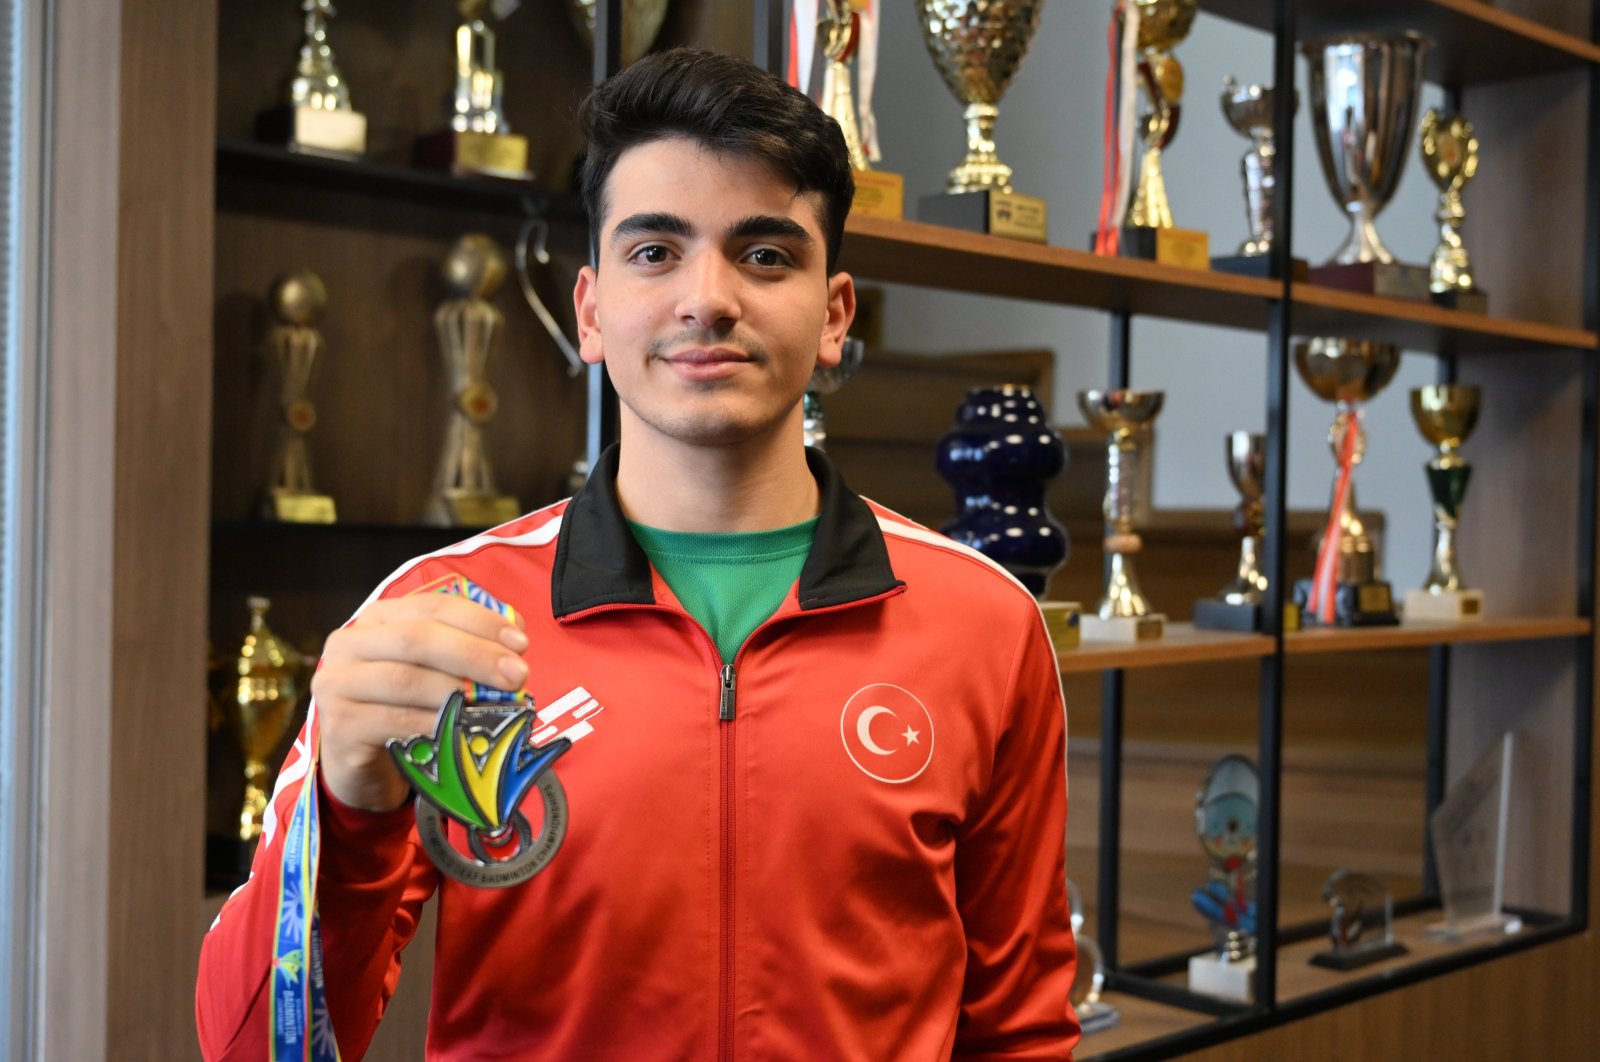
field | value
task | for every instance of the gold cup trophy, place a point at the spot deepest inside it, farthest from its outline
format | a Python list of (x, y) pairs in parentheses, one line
[(1450, 156), (879, 194), (1123, 614), (977, 49), (1446, 415), (294, 345)]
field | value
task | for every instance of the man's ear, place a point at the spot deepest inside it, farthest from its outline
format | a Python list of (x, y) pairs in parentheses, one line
[(590, 348), (841, 311)]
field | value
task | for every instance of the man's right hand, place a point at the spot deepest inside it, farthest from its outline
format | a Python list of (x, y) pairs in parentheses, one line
[(385, 676)]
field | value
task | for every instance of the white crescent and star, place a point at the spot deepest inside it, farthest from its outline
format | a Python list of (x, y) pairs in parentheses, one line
[(864, 731)]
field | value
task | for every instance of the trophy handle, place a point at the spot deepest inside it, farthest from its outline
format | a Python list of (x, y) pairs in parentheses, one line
[(534, 233)]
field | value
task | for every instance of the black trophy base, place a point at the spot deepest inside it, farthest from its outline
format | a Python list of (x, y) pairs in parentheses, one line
[(1186, 248), (1394, 280), (1259, 265), (1356, 958), (227, 861), (1215, 615), (995, 213), (1474, 301), (1354, 604)]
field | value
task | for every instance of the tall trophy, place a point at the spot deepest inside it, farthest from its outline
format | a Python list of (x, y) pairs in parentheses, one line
[(878, 193), (1364, 93), (467, 324), (1361, 929), (1089, 980), (1237, 607), (977, 49), (641, 21), (1445, 415), (1450, 155), (1346, 590), (1148, 231), (826, 381), (1248, 110), (316, 118), (294, 345), (477, 142), (1225, 823), (1123, 614)]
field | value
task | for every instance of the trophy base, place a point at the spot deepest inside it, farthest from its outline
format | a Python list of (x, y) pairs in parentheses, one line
[(227, 861), (879, 195), (314, 131), (1359, 956), (1259, 265), (464, 154), (1211, 614), (1124, 629), (1187, 248), (1473, 301), (1354, 604), (1444, 606), (1489, 925), (1062, 619), (1390, 279), (1210, 976), (479, 510), (1097, 1017), (996, 213), (289, 508)]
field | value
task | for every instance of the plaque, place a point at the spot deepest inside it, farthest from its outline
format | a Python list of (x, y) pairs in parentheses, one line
[(1469, 830), (316, 118), (1123, 614)]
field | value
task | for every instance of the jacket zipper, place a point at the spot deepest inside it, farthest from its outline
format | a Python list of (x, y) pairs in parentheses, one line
[(725, 716)]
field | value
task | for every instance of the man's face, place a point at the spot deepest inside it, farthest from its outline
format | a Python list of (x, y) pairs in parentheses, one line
[(711, 303)]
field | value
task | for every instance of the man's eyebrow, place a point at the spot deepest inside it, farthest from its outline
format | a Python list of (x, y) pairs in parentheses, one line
[(770, 225), (656, 223)]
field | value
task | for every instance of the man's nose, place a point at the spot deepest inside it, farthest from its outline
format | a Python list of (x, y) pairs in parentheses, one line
[(710, 293)]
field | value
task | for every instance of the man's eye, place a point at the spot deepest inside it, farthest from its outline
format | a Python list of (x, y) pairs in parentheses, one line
[(650, 254), (768, 257)]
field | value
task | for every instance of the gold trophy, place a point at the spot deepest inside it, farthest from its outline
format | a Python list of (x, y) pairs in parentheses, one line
[(259, 702), (478, 141), (317, 119), (1446, 415), (878, 194), (293, 345), (1123, 614), (467, 323), (641, 21), (977, 49), (1450, 155), (1148, 231)]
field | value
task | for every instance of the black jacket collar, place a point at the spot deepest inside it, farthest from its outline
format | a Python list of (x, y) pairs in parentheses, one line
[(598, 562)]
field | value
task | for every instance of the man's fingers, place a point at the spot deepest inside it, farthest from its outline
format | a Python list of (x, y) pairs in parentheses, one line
[(392, 684), (429, 643), (446, 608)]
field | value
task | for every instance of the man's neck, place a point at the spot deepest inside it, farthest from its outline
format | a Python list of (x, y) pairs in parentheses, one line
[(759, 485)]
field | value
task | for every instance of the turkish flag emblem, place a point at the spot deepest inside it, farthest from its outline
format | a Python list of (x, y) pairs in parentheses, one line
[(887, 733)]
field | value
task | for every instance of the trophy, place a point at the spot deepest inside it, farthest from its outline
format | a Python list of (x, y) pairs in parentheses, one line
[(878, 194), (825, 380), (641, 21), (1238, 606), (477, 142), (977, 49), (317, 119), (467, 323), (1446, 415), (1346, 589), (1225, 822), (1469, 830), (1450, 155), (1361, 904), (1123, 615), (1089, 980), (293, 344), (1248, 109), (258, 699)]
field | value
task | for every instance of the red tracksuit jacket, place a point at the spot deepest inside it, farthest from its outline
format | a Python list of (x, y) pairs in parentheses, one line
[(866, 861)]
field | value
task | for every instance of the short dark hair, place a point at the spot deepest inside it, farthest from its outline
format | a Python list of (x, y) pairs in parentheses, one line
[(727, 104)]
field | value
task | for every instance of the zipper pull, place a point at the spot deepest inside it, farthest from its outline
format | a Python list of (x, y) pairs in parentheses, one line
[(725, 709)]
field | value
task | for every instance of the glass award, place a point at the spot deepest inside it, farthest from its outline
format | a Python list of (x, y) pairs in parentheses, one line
[(1468, 830), (1362, 926), (1225, 822), (1094, 1014)]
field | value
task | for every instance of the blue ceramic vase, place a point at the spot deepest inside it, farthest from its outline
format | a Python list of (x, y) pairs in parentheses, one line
[(998, 457)]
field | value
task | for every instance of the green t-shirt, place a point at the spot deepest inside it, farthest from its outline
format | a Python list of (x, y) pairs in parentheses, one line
[(730, 583)]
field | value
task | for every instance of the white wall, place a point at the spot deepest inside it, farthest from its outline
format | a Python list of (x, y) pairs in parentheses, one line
[(1050, 133)]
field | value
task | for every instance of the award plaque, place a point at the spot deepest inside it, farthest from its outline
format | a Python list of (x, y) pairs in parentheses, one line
[(1225, 823), (879, 194), (1238, 606), (1468, 831), (1364, 92), (825, 381), (477, 142), (316, 118), (1362, 906), (1248, 109), (294, 346), (1346, 589), (1446, 415), (977, 49), (467, 324), (1123, 614), (1450, 155), (1094, 1014)]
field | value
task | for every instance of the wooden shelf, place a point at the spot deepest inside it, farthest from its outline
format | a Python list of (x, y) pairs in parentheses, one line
[(1474, 43), (1143, 1020), (911, 252), (1182, 644), (1415, 635), (1320, 310)]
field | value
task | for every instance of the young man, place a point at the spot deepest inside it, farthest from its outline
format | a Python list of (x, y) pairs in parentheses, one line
[(815, 801)]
